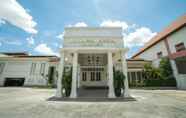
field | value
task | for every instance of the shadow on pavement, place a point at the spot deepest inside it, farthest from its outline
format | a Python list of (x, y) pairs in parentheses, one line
[(92, 99)]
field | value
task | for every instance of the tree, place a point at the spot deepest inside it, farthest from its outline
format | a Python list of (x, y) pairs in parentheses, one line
[(166, 69)]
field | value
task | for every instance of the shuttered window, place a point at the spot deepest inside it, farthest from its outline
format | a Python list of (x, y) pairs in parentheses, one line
[(181, 65)]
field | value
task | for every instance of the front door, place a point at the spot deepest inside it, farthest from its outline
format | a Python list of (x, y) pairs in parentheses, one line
[(93, 76)]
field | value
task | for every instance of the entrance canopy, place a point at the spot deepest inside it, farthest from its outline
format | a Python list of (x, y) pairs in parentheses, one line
[(92, 53)]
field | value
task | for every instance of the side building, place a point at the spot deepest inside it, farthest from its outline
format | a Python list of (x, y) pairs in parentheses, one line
[(21, 69), (135, 69), (169, 43)]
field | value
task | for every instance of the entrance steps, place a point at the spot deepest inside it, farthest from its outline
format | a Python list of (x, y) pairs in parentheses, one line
[(92, 92)]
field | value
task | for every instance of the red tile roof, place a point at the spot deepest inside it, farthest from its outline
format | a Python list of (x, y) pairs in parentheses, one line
[(173, 27)]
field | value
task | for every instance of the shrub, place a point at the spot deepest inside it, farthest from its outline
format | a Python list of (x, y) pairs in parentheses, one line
[(162, 76), (118, 82), (160, 82), (151, 72)]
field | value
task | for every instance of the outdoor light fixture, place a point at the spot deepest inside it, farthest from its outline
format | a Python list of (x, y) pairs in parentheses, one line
[(66, 59)]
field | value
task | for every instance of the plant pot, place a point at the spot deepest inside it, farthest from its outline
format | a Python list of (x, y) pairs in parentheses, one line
[(118, 92)]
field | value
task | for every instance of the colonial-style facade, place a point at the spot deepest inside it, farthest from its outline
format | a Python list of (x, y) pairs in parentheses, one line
[(92, 53)]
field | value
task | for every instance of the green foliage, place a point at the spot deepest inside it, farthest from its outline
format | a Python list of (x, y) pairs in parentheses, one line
[(151, 72), (166, 69), (160, 82), (162, 76), (118, 82), (67, 81)]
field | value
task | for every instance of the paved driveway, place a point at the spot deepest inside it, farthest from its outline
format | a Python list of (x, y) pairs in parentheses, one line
[(32, 103)]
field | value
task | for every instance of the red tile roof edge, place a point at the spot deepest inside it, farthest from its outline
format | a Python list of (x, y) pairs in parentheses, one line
[(173, 27)]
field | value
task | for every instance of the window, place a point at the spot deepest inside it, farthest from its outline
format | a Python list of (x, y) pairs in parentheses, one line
[(84, 76), (33, 68), (181, 65), (133, 77), (180, 47), (98, 76), (2, 65), (42, 69), (159, 54), (92, 76), (139, 76), (129, 78)]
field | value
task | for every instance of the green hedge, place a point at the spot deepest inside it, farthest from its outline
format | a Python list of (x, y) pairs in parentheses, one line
[(160, 82)]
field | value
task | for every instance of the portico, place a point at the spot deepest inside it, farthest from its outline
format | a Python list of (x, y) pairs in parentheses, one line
[(92, 53)]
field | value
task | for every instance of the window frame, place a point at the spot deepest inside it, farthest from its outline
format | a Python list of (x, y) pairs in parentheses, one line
[(159, 54), (2, 65), (180, 47)]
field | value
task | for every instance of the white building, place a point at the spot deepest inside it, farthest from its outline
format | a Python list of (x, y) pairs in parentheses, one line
[(170, 43), (25, 70), (92, 53)]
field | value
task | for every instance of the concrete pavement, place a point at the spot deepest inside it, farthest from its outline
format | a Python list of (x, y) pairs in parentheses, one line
[(32, 103)]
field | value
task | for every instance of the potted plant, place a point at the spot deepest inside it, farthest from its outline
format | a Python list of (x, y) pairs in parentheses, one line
[(118, 83)]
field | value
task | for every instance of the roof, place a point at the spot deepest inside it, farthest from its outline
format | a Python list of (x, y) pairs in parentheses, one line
[(173, 27), (24, 55), (15, 53), (139, 59), (93, 28), (37, 56)]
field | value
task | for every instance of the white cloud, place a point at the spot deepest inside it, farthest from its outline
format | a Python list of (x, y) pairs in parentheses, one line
[(2, 22), (12, 12), (10, 41), (44, 49), (116, 23), (30, 40), (79, 24), (138, 37), (60, 36)]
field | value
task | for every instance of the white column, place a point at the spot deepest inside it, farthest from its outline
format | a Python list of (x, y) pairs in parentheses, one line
[(73, 93), (124, 64), (175, 72), (111, 93), (60, 75), (78, 76)]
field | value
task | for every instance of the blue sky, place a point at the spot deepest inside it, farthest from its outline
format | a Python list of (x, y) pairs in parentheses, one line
[(141, 20)]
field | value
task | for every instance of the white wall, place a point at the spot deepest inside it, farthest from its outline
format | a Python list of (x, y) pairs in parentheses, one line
[(151, 53), (176, 38), (93, 31), (93, 37), (37, 78), (21, 69)]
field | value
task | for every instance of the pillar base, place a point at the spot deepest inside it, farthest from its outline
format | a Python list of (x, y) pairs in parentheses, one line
[(126, 94), (111, 95), (58, 95), (73, 96)]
